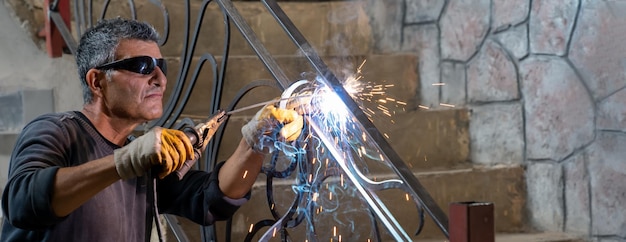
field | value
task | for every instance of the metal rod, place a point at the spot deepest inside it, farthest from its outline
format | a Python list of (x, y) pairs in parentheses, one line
[(178, 231), (251, 107), (256, 105), (378, 207), (255, 43)]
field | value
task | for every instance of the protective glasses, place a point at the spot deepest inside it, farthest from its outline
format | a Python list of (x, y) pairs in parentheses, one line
[(138, 64)]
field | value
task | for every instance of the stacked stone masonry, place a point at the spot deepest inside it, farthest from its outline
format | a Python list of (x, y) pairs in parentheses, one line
[(545, 82)]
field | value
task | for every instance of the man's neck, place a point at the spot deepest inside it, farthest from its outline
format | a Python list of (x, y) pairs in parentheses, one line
[(113, 129)]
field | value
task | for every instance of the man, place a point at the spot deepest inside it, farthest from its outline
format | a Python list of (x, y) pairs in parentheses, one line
[(76, 176)]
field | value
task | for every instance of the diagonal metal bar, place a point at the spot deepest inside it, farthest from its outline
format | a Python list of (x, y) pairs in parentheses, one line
[(177, 230), (255, 43), (370, 196), (399, 166)]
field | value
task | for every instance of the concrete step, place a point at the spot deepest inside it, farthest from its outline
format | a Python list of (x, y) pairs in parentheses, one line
[(503, 186), (398, 72), (328, 26), (425, 139), (526, 237), (332, 28), (539, 237), (193, 232)]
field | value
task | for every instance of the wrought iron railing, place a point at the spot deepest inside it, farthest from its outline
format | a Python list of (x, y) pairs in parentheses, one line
[(299, 166)]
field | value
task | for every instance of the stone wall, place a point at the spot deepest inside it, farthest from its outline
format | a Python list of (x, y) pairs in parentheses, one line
[(545, 84)]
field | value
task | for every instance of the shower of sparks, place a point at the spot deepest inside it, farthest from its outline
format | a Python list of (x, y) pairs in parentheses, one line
[(366, 91), (447, 105), (341, 179)]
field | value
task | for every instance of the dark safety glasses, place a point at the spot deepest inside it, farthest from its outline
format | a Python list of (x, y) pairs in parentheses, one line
[(138, 64)]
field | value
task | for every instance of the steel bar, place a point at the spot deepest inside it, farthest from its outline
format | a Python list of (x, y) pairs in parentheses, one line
[(176, 228), (256, 105), (255, 43), (379, 208)]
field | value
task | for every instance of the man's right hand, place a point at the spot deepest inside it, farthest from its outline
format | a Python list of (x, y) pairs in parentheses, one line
[(167, 148), (255, 131)]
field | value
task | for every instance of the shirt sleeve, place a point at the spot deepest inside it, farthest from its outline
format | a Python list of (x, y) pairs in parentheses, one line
[(197, 197), (38, 154)]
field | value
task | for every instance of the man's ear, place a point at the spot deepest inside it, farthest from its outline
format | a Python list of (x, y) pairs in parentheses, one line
[(95, 79)]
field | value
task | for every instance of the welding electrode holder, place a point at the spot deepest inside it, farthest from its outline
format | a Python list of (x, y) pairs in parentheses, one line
[(194, 137), (199, 136)]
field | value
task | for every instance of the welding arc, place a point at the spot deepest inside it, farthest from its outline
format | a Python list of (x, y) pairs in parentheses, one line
[(256, 105)]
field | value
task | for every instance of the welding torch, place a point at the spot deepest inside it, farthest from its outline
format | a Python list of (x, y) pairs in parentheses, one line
[(200, 135)]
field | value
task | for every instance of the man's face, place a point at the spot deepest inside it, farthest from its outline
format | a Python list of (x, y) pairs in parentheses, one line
[(133, 96)]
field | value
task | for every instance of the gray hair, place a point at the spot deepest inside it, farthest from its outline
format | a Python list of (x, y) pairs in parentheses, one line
[(99, 43)]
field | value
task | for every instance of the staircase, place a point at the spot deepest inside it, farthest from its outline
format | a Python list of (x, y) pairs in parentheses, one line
[(434, 143)]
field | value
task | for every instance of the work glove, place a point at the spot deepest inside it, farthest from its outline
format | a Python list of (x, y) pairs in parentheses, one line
[(159, 147), (260, 133), (300, 102)]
